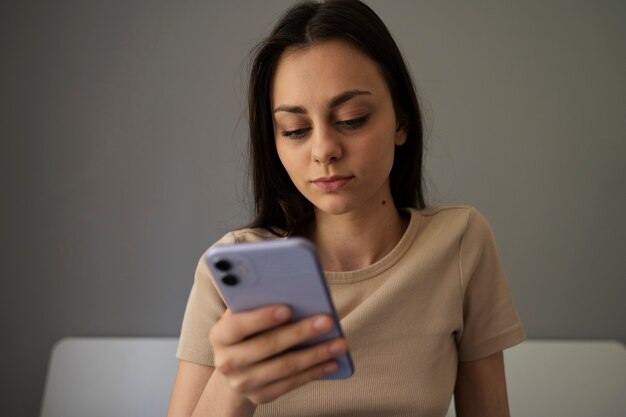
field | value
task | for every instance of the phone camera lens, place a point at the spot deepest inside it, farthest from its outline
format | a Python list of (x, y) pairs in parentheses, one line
[(230, 280), (222, 265)]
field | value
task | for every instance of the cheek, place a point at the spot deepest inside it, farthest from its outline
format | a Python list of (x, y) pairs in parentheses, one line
[(377, 159), (379, 147)]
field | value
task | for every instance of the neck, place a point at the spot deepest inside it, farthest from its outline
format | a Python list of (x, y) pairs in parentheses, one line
[(356, 240)]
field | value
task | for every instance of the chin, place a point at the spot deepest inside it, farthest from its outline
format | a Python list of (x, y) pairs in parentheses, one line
[(332, 207), (335, 205)]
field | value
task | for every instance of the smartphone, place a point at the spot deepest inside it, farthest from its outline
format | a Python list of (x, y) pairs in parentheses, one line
[(285, 271)]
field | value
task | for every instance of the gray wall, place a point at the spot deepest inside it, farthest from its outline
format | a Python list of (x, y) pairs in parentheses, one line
[(123, 126)]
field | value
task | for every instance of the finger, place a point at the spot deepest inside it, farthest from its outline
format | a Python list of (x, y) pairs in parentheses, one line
[(278, 340), (283, 386), (234, 328), (286, 365)]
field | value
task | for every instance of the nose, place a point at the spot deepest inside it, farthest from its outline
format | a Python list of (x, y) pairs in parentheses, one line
[(326, 146)]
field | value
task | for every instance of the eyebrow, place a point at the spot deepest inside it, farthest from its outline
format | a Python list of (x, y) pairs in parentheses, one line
[(333, 103)]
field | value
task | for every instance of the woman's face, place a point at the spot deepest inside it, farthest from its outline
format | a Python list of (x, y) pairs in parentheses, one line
[(335, 126)]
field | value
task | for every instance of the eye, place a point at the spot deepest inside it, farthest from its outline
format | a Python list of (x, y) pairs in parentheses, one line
[(352, 123), (295, 134)]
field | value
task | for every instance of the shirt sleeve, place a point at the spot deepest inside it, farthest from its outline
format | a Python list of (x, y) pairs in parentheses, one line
[(490, 320), (204, 308)]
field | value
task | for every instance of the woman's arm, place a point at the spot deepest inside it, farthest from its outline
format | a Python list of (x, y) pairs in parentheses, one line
[(480, 389), (190, 381), (200, 391)]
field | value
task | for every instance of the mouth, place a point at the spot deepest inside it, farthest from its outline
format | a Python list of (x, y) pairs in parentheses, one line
[(333, 183)]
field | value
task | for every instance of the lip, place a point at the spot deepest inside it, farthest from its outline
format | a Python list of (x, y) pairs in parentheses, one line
[(332, 183)]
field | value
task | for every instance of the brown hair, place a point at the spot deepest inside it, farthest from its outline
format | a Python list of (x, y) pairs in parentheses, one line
[(278, 205)]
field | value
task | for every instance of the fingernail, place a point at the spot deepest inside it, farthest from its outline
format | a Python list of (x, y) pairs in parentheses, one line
[(281, 313), (321, 323), (337, 348)]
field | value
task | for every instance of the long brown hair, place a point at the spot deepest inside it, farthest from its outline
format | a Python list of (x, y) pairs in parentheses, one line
[(278, 205)]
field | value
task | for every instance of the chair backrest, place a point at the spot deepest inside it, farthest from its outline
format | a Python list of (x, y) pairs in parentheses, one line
[(133, 377), (567, 378), (92, 377)]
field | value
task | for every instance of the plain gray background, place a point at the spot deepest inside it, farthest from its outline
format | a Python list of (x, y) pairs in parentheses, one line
[(123, 133)]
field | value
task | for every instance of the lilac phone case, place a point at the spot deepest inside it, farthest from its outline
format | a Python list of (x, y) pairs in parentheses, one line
[(282, 271)]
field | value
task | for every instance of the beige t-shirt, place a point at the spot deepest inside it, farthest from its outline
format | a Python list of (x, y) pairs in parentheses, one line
[(439, 297)]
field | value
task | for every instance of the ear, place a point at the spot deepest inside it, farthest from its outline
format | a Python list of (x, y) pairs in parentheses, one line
[(401, 134)]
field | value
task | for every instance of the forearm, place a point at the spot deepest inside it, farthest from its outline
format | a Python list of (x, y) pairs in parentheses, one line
[(218, 399)]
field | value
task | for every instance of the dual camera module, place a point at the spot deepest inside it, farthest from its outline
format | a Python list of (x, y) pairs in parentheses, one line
[(230, 278)]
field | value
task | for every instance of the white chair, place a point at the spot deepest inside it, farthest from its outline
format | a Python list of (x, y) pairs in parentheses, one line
[(93, 377), (133, 377), (567, 378)]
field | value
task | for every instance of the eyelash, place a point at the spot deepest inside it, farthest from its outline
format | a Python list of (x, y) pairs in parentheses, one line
[(347, 124), (352, 123), (295, 134)]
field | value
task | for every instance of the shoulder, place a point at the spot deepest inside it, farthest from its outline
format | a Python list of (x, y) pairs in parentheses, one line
[(453, 220), (233, 237), (466, 230), (246, 235), (449, 211)]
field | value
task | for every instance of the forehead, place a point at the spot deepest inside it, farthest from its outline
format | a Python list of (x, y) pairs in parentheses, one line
[(323, 70)]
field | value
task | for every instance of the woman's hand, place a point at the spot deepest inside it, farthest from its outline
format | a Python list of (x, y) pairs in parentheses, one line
[(250, 352)]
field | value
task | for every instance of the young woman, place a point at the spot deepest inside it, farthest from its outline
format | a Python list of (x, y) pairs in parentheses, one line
[(336, 149)]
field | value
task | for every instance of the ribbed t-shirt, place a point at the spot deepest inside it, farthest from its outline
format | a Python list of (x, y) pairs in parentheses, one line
[(439, 297)]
